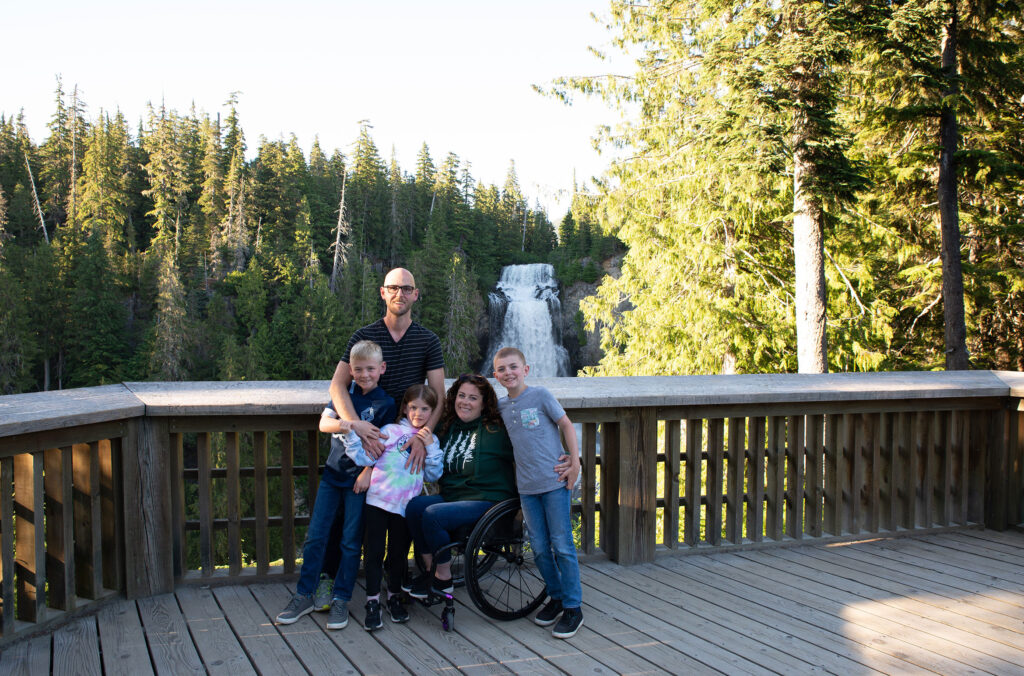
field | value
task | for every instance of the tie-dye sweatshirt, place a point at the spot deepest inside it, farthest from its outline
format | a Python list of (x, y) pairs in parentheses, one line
[(392, 485)]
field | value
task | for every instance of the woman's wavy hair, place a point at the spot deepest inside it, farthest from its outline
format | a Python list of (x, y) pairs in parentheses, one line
[(490, 414)]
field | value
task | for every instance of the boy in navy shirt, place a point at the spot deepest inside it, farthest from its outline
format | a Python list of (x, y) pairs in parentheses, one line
[(374, 408)]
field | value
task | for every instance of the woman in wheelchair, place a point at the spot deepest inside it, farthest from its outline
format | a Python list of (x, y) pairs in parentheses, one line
[(478, 473)]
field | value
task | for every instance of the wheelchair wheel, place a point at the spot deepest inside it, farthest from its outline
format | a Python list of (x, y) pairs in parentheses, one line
[(501, 577)]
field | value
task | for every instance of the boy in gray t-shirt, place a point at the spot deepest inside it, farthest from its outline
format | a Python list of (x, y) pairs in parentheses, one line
[(545, 476)]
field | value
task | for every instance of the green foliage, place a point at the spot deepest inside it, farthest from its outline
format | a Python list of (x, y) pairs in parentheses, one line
[(726, 104), (182, 259)]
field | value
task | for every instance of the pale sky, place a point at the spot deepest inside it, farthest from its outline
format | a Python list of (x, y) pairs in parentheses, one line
[(454, 74)]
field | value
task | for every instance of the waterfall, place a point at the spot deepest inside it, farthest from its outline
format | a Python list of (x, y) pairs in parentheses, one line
[(525, 312)]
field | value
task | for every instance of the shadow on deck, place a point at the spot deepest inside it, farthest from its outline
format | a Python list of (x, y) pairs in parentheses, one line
[(946, 603)]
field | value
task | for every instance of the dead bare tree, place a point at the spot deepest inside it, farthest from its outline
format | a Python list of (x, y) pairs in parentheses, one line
[(341, 243)]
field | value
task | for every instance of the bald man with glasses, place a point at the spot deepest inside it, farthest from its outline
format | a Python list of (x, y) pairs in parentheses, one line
[(412, 354)]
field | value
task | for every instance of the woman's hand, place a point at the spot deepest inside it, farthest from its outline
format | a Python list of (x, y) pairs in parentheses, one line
[(568, 470)]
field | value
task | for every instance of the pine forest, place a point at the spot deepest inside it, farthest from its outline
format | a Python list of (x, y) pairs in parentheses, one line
[(162, 253), (832, 186)]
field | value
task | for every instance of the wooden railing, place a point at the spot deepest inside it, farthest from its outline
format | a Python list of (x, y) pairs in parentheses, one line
[(135, 488)]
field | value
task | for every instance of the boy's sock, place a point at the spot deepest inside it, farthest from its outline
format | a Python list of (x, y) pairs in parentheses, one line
[(375, 597)]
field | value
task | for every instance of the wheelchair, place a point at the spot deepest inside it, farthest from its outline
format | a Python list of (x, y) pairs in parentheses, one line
[(494, 561)]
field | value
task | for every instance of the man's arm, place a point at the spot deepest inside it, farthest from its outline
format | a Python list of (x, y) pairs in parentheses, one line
[(568, 468), (368, 432), (417, 451)]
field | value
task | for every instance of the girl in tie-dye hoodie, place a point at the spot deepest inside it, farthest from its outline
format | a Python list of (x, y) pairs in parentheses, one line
[(389, 486)]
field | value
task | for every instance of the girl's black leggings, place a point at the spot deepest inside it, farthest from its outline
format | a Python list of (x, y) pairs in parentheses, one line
[(384, 526)]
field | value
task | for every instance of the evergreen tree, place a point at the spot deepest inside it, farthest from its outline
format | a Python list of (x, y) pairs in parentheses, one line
[(96, 345), (172, 330), (464, 310)]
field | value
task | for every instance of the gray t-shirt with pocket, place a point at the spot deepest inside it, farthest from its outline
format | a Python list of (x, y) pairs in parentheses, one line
[(530, 419)]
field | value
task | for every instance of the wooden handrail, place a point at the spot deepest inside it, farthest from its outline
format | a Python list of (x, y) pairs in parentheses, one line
[(133, 488)]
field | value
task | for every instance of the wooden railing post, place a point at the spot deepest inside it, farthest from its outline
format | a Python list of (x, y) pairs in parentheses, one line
[(637, 475), (149, 568)]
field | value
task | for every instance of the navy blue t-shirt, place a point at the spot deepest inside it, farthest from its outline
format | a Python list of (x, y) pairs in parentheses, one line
[(377, 407), (408, 360)]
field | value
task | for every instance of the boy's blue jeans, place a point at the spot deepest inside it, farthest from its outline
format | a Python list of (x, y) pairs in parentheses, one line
[(330, 497), (549, 522)]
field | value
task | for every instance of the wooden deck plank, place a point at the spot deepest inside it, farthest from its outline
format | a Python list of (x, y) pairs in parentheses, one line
[(595, 652), (889, 576), (932, 607), (928, 560), (949, 603), (255, 630), (306, 637), (999, 643), (30, 657), (795, 636), (926, 632), (988, 555), (692, 642), (169, 641), (424, 626), (721, 622), (860, 625), (217, 645), (74, 648), (821, 628), (505, 642), (1009, 576), (965, 589), (123, 641)]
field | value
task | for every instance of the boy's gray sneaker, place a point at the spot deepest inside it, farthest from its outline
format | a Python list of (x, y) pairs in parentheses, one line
[(338, 617), (569, 624), (299, 605), (322, 595)]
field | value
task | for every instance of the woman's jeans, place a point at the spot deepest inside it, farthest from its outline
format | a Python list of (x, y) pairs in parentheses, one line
[(331, 496), (431, 521), (549, 522)]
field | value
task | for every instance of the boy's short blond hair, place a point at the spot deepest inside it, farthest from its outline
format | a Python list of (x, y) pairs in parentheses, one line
[(366, 350), (510, 352)]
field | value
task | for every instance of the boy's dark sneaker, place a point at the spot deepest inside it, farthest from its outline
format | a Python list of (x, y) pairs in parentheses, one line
[(372, 620), (338, 616), (299, 605), (419, 587), (396, 609), (572, 620), (548, 615)]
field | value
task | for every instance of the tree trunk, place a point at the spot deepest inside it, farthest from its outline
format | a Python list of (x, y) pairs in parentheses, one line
[(808, 238), (340, 241), (949, 214), (809, 263)]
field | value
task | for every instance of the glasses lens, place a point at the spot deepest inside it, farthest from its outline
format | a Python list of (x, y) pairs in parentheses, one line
[(394, 288)]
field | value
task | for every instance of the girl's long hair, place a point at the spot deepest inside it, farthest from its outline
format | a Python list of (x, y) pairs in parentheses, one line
[(490, 414), (414, 392)]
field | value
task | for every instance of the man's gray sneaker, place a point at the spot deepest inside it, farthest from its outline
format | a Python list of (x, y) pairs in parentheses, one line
[(299, 605), (322, 595), (338, 617)]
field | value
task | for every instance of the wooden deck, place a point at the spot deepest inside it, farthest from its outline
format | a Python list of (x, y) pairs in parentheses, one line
[(950, 604)]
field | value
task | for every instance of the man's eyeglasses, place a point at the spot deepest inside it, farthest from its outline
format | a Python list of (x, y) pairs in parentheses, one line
[(393, 289)]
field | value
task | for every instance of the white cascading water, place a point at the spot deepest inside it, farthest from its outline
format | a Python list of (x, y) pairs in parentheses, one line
[(522, 306)]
